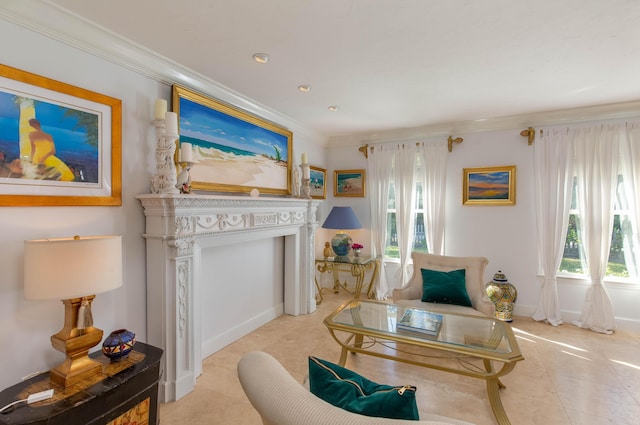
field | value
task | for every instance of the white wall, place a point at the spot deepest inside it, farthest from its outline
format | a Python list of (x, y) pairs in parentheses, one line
[(26, 326), (29, 324), (504, 234)]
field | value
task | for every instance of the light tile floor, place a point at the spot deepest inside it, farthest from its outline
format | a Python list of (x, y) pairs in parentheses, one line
[(570, 376)]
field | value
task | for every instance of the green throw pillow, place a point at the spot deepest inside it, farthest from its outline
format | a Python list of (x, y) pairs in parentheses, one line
[(445, 287), (348, 390)]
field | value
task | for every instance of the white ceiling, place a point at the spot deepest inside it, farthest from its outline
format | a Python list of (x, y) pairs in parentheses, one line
[(393, 64)]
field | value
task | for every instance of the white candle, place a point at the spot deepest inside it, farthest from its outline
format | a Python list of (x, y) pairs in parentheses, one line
[(186, 154), (160, 109), (304, 159), (306, 173), (171, 123)]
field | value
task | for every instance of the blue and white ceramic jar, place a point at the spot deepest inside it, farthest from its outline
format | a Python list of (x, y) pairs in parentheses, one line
[(118, 344)]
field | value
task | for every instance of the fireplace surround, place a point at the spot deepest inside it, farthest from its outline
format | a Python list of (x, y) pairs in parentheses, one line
[(177, 227)]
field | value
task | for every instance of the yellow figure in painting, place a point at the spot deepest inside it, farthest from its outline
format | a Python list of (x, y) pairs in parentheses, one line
[(43, 151), (27, 113)]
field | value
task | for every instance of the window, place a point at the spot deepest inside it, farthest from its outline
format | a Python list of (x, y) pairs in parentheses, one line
[(419, 235), (621, 239)]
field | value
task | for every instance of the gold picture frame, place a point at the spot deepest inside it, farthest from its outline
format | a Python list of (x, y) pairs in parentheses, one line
[(318, 182), (349, 183), (60, 145), (234, 150), (489, 185)]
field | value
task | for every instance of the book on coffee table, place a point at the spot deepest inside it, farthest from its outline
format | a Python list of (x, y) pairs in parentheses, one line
[(420, 321)]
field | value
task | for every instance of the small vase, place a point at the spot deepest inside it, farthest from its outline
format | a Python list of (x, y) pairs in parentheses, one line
[(118, 344), (356, 252)]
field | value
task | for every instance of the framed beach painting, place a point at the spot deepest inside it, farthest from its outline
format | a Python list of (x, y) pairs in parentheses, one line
[(349, 183), (489, 186), (59, 144), (318, 182), (233, 150)]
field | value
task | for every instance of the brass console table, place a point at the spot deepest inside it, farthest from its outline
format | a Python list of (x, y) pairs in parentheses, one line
[(356, 267)]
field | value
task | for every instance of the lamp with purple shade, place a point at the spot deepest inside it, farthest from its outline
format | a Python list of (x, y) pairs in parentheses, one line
[(341, 218)]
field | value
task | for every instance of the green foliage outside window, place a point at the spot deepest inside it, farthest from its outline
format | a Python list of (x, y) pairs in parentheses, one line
[(616, 267)]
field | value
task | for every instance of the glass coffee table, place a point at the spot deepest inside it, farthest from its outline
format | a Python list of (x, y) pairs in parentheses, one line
[(475, 346)]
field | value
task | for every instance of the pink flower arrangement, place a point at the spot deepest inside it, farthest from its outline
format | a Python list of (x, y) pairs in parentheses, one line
[(357, 246)]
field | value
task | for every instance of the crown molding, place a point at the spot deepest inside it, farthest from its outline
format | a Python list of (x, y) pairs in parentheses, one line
[(57, 23), (616, 111)]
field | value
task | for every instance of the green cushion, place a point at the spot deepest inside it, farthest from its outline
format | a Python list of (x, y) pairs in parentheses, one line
[(348, 390), (445, 287)]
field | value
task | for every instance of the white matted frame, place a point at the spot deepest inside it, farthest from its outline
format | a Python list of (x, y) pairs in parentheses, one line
[(59, 144)]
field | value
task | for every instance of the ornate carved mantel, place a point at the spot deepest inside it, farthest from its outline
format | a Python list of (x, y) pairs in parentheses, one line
[(178, 224)]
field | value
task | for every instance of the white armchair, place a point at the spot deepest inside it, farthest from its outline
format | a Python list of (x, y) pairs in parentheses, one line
[(281, 400), (411, 293)]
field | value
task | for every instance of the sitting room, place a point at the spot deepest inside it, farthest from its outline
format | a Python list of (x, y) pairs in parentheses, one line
[(214, 141)]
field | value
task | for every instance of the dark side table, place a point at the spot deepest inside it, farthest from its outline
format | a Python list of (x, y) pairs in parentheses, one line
[(126, 392)]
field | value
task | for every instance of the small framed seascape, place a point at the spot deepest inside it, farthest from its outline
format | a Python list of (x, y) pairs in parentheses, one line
[(318, 182), (351, 183)]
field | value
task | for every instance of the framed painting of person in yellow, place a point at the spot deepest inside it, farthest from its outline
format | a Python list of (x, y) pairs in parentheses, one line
[(59, 144)]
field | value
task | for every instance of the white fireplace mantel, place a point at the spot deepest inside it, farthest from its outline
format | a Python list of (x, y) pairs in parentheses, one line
[(176, 227)]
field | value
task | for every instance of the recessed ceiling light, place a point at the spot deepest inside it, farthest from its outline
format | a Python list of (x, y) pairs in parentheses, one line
[(261, 57), (333, 108), (304, 88)]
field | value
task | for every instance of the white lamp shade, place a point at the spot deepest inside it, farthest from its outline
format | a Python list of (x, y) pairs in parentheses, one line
[(67, 268)]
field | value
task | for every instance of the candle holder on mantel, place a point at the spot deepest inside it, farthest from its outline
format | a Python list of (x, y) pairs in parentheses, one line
[(305, 190), (184, 177), (164, 180)]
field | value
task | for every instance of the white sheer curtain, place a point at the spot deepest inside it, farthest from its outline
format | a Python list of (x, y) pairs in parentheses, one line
[(553, 174), (597, 150), (630, 165), (405, 193), (380, 169), (433, 171)]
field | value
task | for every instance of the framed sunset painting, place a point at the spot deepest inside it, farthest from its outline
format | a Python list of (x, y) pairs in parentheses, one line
[(233, 150), (489, 186)]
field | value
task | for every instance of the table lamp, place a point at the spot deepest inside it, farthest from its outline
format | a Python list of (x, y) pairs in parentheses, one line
[(341, 218), (73, 270)]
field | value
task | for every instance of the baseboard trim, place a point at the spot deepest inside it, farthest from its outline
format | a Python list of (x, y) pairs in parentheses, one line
[(233, 334), (568, 317)]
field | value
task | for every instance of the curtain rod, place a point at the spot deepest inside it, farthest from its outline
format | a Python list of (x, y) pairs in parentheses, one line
[(450, 141)]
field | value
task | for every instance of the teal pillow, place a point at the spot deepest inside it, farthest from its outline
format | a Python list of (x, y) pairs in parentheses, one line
[(348, 390), (445, 287)]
